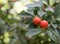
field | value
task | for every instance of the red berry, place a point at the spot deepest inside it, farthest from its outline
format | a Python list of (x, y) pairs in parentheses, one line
[(44, 24), (36, 20)]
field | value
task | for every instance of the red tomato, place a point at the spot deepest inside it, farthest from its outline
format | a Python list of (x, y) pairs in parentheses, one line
[(36, 20), (44, 24)]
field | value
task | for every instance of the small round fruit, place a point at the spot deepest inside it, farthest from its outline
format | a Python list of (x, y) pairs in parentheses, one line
[(44, 24), (36, 20)]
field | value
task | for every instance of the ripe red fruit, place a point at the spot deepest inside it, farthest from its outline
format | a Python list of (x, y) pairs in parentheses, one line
[(36, 20), (44, 24)]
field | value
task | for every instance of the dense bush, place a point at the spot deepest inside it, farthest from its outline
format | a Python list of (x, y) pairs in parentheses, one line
[(29, 21)]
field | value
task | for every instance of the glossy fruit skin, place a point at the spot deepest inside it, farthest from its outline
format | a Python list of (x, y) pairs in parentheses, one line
[(44, 24), (36, 20)]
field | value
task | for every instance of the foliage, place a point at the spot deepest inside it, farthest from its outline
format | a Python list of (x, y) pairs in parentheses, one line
[(16, 21)]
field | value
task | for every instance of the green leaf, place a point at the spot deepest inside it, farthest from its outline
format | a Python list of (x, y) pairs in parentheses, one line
[(45, 2), (48, 16), (41, 13), (50, 9), (31, 25), (57, 12), (0, 12), (52, 2), (25, 14), (57, 1), (2, 23), (11, 21), (52, 36), (22, 25), (35, 4), (32, 32)]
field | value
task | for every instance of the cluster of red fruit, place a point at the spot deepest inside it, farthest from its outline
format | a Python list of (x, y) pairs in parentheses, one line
[(41, 23)]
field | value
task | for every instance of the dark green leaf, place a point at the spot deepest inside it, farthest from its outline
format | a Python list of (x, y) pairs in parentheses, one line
[(52, 36), (57, 12), (32, 32), (25, 14)]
